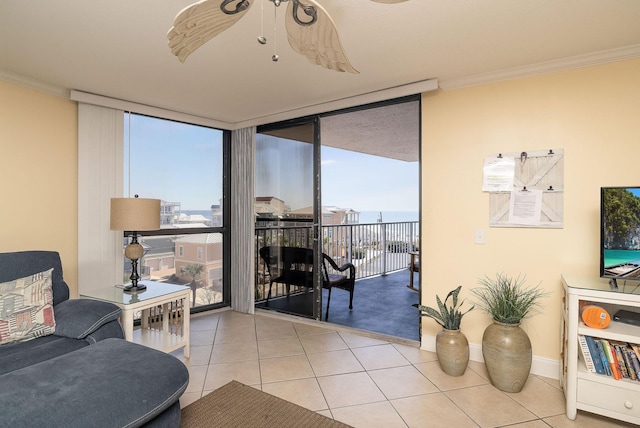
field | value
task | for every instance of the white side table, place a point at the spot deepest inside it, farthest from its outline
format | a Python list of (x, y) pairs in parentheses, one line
[(173, 301)]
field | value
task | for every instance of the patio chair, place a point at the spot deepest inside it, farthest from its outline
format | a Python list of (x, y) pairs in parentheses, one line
[(333, 280), (289, 266), (414, 266), (294, 266)]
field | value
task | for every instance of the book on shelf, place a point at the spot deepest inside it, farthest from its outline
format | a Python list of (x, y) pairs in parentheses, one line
[(586, 354), (627, 359), (616, 350), (633, 356), (595, 354), (635, 348), (612, 359), (603, 357), (625, 349)]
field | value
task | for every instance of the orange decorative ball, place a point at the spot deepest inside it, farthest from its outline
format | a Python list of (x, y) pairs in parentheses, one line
[(595, 316)]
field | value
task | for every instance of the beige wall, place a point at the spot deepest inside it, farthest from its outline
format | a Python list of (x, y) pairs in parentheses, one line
[(38, 172), (592, 113)]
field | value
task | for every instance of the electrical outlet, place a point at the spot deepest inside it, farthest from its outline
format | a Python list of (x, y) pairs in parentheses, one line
[(479, 237)]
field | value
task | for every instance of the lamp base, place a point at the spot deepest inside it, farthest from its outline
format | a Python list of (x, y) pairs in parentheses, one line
[(130, 288)]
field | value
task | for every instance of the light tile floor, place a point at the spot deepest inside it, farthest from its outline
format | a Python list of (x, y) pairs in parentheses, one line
[(361, 379)]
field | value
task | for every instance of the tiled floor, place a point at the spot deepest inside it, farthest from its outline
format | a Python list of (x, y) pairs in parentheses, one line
[(359, 379)]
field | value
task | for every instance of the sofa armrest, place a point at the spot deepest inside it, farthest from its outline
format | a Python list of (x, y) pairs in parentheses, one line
[(77, 318), (110, 330)]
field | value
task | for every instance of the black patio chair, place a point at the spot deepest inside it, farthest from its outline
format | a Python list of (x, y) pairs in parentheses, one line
[(294, 266)]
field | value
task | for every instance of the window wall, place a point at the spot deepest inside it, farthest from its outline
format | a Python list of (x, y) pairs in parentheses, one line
[(182, 165)]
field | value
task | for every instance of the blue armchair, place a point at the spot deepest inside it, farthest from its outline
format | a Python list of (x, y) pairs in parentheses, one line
[(79, 322)]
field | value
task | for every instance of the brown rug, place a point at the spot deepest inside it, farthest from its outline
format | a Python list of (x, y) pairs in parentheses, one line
[(239, 405)]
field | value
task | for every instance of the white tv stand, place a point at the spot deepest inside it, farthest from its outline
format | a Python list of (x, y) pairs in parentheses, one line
[(595, 393)]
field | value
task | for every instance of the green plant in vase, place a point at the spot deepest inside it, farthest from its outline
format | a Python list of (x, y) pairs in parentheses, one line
[(506, 347), (507, 299), (452, 346)]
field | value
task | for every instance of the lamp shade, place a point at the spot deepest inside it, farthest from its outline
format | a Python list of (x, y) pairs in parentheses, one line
[(135, 214)]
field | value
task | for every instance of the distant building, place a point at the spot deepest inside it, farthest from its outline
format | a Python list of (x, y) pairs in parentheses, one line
[(331, 215), (171, 216), (216, 215), (158, 260), (337, 215), (201, 249), (191, 220), (169, 212), (270, 207)]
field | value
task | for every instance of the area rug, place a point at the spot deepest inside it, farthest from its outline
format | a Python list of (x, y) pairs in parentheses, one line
[(238, 405)]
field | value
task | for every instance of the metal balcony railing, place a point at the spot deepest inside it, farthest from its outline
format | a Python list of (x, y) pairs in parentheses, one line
[(374, 248)]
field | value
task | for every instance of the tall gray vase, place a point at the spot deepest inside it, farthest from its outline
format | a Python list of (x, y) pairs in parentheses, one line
[(506, 349), (452, 349)]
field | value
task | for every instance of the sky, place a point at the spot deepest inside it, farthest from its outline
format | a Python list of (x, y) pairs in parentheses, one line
[(368, 183), (170, 161)]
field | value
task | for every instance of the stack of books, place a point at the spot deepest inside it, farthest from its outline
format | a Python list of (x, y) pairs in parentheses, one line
[(610, 358)]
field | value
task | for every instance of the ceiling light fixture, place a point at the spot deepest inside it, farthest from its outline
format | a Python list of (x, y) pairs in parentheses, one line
[(311, 31)]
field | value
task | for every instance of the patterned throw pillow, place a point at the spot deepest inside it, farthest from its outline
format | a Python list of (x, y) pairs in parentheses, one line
[(26, 308)]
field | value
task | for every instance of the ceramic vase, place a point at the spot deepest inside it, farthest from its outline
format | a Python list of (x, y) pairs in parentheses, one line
[(452, 349), (506, 349)]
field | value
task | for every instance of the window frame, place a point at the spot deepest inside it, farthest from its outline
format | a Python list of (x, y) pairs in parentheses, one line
[(224, 230)]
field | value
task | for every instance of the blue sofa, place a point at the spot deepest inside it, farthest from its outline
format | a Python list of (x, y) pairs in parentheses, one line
[(84, 373)]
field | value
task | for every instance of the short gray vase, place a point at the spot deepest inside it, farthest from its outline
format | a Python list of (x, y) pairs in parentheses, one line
[(452, 349)]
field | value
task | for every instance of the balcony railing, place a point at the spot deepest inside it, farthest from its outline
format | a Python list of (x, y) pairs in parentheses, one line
[(374, 248)]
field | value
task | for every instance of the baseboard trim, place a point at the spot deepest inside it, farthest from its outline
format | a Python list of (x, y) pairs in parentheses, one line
[(540, 366)]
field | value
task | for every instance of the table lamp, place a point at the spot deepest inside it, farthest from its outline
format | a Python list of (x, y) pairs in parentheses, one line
[(134, 215)]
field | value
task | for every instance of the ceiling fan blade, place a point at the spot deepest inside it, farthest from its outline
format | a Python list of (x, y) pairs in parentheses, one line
[(197, 24), (318, 42)]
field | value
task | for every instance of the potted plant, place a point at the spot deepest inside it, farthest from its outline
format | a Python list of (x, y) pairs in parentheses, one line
[(452, 346), (506, 347)]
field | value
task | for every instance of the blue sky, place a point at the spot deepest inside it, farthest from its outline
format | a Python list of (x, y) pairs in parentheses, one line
[(171, 160), (368, 183)]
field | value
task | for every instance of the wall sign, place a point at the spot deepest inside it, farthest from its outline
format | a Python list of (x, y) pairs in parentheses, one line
[(535, 198)]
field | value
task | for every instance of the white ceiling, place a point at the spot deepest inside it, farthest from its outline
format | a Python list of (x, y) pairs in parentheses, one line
[(118, 49)]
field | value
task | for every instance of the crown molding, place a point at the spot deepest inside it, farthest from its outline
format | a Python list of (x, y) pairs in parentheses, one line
[(33, 84), (553, 66), (347, 102)]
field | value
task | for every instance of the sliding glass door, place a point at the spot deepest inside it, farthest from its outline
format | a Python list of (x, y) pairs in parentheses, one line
[(287, 180)]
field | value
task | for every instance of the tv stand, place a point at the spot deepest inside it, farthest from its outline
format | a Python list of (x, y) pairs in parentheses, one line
[(613, 283), (584, 390)]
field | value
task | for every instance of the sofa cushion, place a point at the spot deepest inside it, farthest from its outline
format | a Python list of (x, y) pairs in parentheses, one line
[(17, 355), (26, 308), (113, 383)]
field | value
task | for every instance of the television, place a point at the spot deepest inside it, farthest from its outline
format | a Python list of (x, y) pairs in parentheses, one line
[(620, 233)]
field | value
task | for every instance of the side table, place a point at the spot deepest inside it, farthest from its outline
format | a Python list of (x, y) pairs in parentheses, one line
[(160, 301)]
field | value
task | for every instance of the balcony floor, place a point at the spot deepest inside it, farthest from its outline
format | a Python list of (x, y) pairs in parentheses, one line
[(381, 304)]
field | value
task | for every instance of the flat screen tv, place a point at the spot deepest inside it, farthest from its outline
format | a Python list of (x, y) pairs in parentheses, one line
[(620, 233)]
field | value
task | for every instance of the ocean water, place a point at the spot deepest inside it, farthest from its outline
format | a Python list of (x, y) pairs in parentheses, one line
[(616, 257), (204, 213), (388, 216), (365, 216)]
